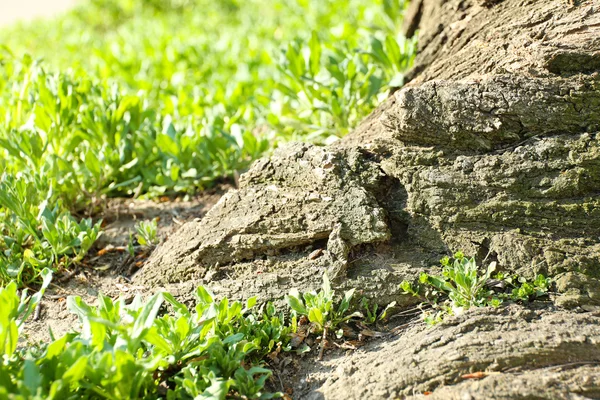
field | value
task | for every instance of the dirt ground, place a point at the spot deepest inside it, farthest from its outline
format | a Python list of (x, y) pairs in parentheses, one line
[(26, 10), (108, 266)]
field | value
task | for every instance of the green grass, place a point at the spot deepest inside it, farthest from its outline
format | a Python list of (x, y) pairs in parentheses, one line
[(136, 97), (144, 350)]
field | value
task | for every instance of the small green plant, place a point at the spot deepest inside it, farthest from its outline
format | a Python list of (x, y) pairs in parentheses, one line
[(319, 306), (37, 234), (462, 286), (147, 232), (371, 316), (320, 309), (15, 310), (130, 245), (523, 290)]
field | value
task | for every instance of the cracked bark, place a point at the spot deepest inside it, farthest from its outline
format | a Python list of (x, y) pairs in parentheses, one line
[(492, 148)]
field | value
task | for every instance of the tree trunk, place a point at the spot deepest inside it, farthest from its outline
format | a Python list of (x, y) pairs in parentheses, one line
[(492, 148), (495, 138)]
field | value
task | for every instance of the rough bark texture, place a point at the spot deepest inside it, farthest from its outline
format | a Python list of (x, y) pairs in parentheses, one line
[(526, 354), (304, 211), (492, 148)]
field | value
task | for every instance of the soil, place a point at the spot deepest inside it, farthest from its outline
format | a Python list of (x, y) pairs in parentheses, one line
[(108, 267)]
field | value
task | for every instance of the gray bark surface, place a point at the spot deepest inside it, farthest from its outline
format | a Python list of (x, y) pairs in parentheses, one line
[(492, 148), (524, 353)]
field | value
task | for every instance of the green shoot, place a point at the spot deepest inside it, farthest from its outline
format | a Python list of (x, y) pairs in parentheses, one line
[(147, 233), (462, 286)]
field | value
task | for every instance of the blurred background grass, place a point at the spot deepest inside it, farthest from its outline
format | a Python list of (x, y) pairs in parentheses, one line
[(161, 97), (25, 10)]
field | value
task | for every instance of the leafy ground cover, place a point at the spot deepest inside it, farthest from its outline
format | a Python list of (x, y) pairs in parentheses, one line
[(134, 98), (136, 350), (161, 348), (462, 286)]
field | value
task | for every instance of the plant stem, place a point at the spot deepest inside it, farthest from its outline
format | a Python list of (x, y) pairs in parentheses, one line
[(323, 344)]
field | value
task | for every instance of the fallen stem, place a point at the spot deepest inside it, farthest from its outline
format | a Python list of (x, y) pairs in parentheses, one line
[(323, 344)]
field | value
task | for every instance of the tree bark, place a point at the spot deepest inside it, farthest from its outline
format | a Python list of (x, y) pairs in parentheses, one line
[(492, 148), (505, 95)]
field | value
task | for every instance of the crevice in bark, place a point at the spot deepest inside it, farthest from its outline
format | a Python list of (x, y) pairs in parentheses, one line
[(492, 148)]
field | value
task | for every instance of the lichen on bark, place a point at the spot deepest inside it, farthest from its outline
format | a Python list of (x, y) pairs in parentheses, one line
[(492, 148), (502, 163)]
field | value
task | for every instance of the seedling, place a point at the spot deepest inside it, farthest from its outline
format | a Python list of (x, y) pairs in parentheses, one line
[(462, 286), (147, 233), (371, 315), (320, 310)]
